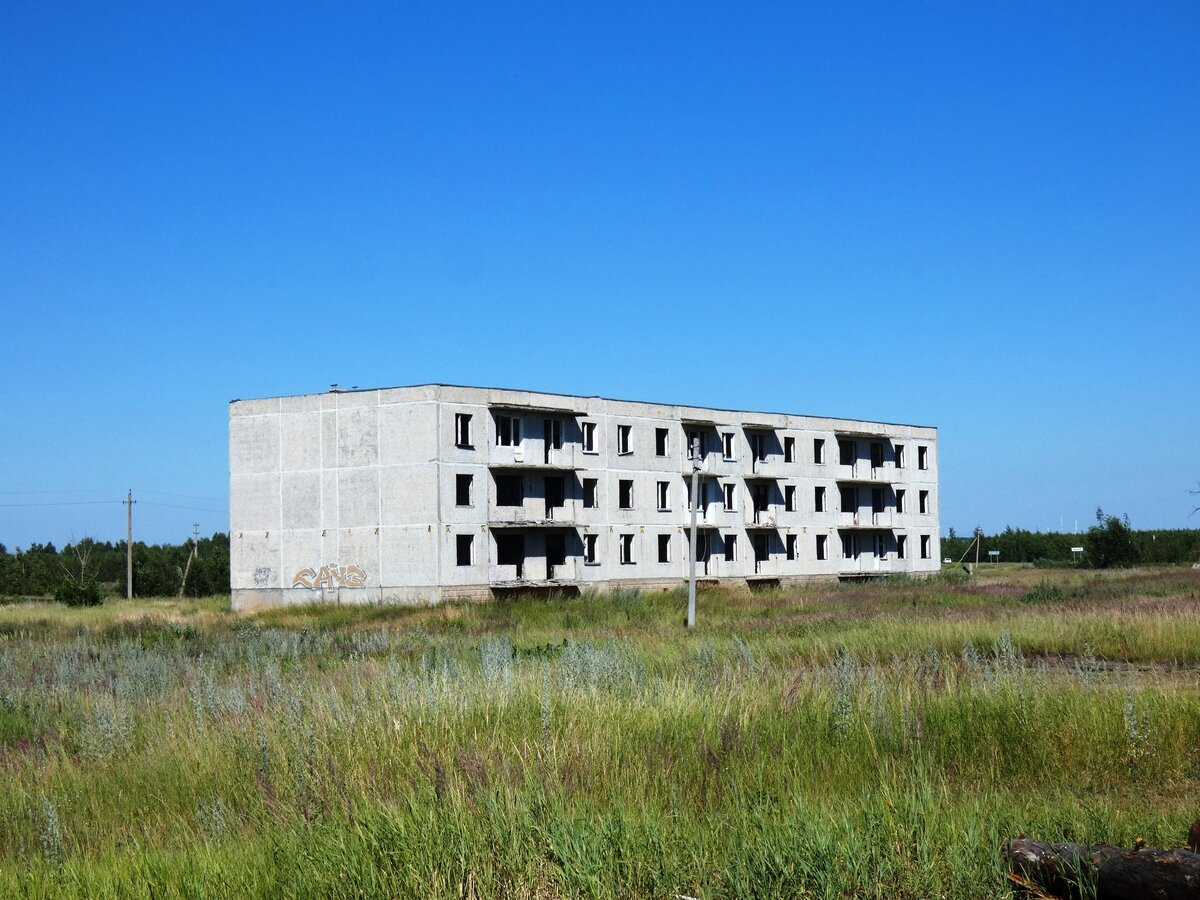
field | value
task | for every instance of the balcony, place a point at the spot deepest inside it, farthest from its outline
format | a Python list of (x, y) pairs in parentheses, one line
[(762, 518), (869, 564), (534, 572), (532, 517), (530, 455), (712, 465)]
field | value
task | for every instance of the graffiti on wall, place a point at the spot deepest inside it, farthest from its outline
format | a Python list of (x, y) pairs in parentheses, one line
[(330, 576)]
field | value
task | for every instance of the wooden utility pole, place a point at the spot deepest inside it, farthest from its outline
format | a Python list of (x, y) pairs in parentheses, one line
[(191, 556), (129, 545), (691, 614)]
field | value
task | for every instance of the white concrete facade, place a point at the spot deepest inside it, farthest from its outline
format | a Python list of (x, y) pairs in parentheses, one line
[(418, 494)]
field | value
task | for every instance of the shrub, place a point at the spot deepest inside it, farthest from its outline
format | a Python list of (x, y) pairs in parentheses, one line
[(79, 593), (1110, 543), (1045, 592)]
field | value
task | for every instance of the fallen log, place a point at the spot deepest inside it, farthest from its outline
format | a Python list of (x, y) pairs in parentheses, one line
[(1069, 871)]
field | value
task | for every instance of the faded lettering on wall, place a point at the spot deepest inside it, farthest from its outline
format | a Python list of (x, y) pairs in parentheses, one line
[(330, 576)]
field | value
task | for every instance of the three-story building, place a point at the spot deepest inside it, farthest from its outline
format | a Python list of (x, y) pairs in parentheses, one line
[(431, 492)]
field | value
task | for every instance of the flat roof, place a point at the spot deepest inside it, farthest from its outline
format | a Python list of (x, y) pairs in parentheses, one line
[(476, 387)]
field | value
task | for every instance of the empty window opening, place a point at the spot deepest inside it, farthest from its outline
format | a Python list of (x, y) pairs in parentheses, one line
[(589, 493), (623, 436), (510, 490), (510, 551), (552, 437), (849, 546), (849, 497), (588, 431), (901, 545), (762, 547), (880, 547), (789, 547), (589, 549), (876, 454), (789, 449), (462, 430), (556, 495), (821, 544), (727, 444), (789, 498), (819, 498), (697, 444), (508, 431), (664, 548), (925, 546), (922, 457), (847, 452), (758, 446), (664, 499), (661, 441), (923, 502), (463, 488), (877, 505), (625, 493), (730, 548), (627, 549), (465, 550), (762, 498), (899, 456), (900, 500), (730, 496), (819, 451), (556, 554)]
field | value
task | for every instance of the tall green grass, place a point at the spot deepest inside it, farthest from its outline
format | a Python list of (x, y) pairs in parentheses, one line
[(875, 741)]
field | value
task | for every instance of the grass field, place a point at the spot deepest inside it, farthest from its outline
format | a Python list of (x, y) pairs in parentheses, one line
[(875, 740)]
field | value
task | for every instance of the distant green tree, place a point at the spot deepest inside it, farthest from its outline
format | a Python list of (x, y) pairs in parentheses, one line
[(78, 585), (1109, 544)]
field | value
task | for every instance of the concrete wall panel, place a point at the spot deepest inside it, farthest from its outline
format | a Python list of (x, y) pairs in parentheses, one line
[(302, 499), (300, 435), (358, 497), (254, 502), (254, 444), (357, 437)]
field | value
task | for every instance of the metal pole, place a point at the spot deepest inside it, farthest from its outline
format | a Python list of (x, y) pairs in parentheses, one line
[(691, 615), (129, 545)]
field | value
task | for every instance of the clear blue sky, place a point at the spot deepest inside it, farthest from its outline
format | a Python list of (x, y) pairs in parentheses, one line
[(984, 217)]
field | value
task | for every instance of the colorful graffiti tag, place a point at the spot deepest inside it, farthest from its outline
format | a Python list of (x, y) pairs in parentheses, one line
[(330, 576)]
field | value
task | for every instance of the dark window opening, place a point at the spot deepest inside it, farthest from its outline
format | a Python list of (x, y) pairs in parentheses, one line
[(462, 489), (462, 430), (664, 548), (465, 549), (625, 494), (847, 452), (510, 490), (627, 549), (510, 551), (589, 493), (660, 441)]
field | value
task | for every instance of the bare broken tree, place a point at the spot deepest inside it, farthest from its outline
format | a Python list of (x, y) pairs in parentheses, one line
[(82, 551)]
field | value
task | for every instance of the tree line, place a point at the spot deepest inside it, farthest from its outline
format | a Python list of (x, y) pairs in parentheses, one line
[(1110, 543), (159, 570)]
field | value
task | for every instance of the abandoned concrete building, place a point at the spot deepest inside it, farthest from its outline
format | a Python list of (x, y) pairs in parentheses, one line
[(431, 492)]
